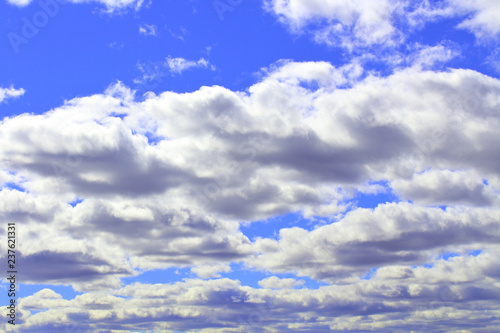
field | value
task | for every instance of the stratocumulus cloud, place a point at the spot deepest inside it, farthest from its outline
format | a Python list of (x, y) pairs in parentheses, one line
[(322, 194), (233, 164)]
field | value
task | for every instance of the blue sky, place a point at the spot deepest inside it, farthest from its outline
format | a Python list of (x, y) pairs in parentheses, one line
[(84, 59), (174, 166)]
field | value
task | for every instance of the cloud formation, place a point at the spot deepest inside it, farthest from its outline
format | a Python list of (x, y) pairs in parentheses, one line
[(108, 186), (10, 93), (363, 23), (179, 65), (357, 23), (147, 29), (425, 299), (390, 235), (482, 16), (111, 5)]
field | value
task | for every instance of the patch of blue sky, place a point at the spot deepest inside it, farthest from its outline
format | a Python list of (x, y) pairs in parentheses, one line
[(366, 200), (14, 186), (448, 255), (247, 277), (370, 274), (270, 228), (24, 290), (475, 253), (34, 312), (372, 200), (115, 45), (152, 138), (312, 85), (251, 277), (75, 202)]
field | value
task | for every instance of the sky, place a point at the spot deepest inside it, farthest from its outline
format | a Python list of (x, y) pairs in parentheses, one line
[(220, 166)]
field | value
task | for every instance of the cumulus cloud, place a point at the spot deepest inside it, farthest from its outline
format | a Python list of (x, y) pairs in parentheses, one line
[(9, 93), (482, 17), (20, 3), (426, 299), (350, 24), (391, 234), (166, 181), (428, 56)]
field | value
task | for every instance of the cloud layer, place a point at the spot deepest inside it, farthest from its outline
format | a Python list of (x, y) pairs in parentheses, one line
[(362, 23), (110, 4), (107, 186)]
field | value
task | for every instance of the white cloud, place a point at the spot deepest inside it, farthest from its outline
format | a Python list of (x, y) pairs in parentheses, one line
[(179, 65), (20, 3), (147, 30), (428, 56), (429, 299), (482, 17), (445, 187), (274, 282), (11, 92), (166, 182), (350, 24), (233, 149), (391, 234), (211, 271)]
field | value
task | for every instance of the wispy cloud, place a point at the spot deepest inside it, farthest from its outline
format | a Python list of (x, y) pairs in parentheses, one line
[(147, 30), (111, 5), (183, 32), (273, 282), (8, 93), (20, 3), (156, 71), (359, 24), (179, 65)]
